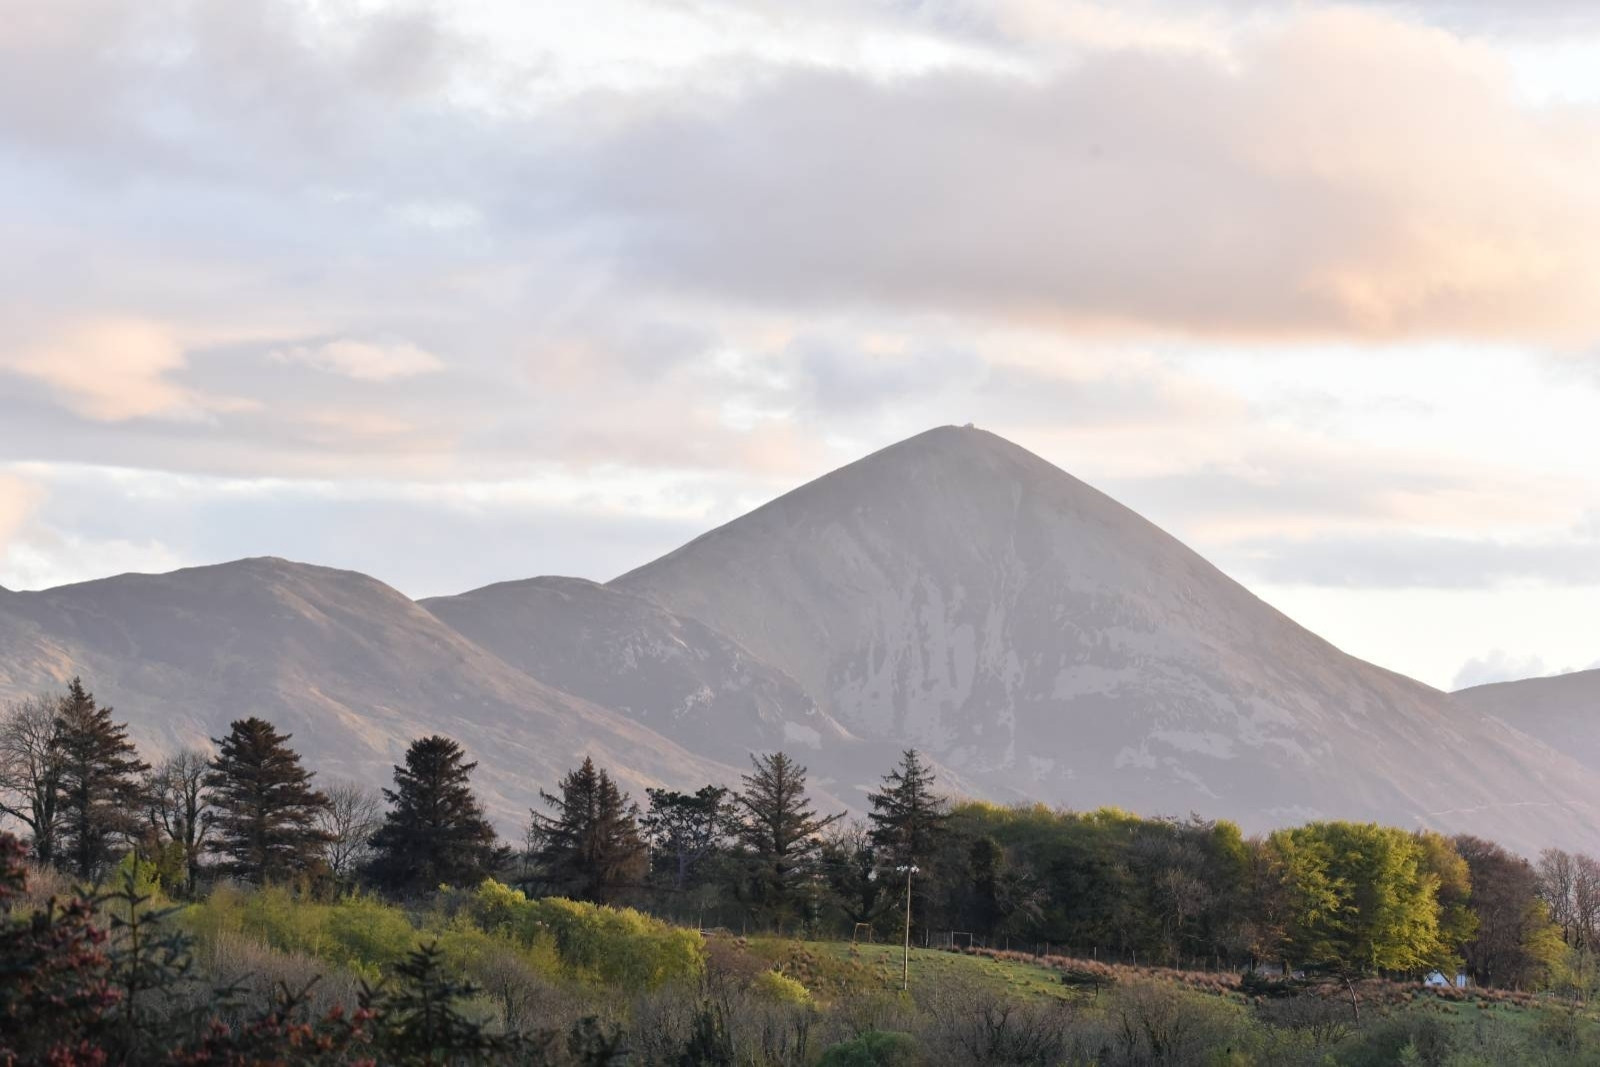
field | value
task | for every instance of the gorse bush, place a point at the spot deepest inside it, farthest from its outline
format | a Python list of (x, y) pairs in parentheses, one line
[(360, 934), (611, 946), (780, 988)]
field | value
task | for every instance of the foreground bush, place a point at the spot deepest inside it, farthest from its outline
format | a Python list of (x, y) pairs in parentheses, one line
[(77, 994), (613, 946)]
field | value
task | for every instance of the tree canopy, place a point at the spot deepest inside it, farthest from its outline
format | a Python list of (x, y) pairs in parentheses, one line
[(435, 831), (266, 807)]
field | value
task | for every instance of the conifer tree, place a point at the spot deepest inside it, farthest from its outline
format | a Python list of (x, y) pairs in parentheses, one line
[(908, 818), (435, 832), (99, 782), (266, 808), (687, 831), (779, 831), (590, 848)]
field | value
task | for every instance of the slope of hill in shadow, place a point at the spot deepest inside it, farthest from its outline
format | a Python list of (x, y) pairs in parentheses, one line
[(1563, 711), (351, 667)]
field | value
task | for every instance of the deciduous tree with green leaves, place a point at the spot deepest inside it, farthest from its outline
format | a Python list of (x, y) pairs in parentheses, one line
[(1361, 900)]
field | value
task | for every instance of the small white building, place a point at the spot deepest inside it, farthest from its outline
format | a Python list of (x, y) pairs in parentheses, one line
[(1437, 978)]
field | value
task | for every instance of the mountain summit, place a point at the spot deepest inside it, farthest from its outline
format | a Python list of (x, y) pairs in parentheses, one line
[(959, 593)]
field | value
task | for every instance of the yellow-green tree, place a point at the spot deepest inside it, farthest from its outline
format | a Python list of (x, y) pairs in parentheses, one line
[(1360, 899)]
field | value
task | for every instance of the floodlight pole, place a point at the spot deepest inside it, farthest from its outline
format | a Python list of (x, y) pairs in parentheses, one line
[(905, 966)]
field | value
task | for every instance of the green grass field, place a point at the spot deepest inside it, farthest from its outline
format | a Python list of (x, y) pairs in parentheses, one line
[(884, 962)]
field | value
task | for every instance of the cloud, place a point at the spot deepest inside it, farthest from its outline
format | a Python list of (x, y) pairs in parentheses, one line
[(113, 370), (848, 376), (425, 539), (1397, 560), (18, 500), (1342, 174), (365, 361), (1497, 665)]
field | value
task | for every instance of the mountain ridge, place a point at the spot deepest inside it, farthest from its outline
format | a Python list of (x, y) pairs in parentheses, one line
[(350, 666), (1037, 639)]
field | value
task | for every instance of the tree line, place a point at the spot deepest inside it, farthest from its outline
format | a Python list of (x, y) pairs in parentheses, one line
[(251, 812), (1333, 897)]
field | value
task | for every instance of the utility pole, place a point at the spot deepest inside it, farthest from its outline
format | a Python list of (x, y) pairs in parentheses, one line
[(905, 966)]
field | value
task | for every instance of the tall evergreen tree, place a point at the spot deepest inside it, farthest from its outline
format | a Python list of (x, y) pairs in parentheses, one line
[(435, 832), (780, 833), (266, 808), (99, 782), (908, 818), (590, 848)]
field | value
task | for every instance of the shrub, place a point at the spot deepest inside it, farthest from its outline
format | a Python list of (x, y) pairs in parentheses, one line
[(780, 988), (875, 1048), (613, 946)]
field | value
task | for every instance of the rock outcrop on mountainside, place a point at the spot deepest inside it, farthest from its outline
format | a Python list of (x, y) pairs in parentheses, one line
[(674, 675)]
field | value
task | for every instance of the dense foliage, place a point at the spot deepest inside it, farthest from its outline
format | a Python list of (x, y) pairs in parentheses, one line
[(235, 884)]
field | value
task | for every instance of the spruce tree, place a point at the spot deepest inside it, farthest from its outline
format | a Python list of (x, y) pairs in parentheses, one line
[(99, 783), (266, 808), (908, 818), (779, 830), (591, 848), (435, 832)]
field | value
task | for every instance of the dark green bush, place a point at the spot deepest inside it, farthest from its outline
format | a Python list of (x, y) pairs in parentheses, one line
[(875, 1048)]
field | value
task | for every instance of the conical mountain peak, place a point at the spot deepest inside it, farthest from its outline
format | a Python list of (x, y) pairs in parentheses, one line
[(957, 592)]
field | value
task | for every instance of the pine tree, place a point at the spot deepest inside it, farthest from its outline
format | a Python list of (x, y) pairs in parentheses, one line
[(590, 849), (779, 831), (435, 832), (908, 817), (687, 831), (266, 808), (99, 783)]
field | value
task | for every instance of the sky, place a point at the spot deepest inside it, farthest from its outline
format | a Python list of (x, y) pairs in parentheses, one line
[(467, 292)]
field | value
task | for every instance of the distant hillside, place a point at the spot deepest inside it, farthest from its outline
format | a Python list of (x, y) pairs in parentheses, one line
[(673, 674), (351, 667), (1562, 711)]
